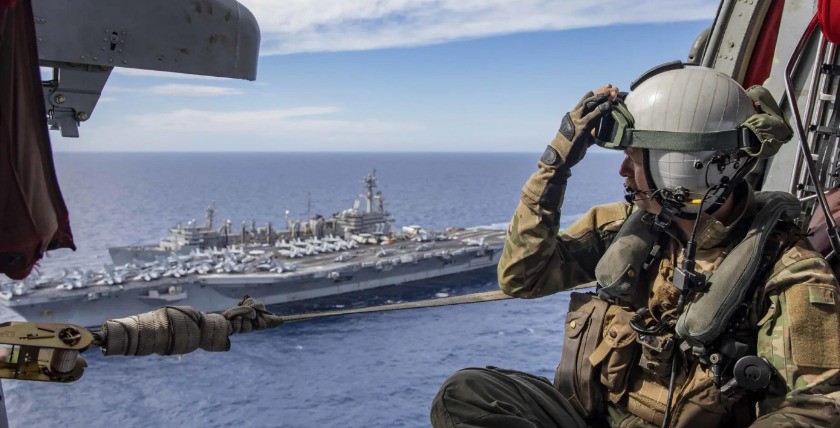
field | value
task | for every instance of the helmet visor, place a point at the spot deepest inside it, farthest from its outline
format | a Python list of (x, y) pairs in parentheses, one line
[(614, 131)]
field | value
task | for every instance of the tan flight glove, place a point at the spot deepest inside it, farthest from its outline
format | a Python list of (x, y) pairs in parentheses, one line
[(548, 185)]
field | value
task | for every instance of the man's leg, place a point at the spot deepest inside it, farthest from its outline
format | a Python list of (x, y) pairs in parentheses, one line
[(495, 397)]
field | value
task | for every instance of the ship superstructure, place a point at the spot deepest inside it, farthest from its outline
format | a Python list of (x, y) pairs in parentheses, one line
[(372, 220)]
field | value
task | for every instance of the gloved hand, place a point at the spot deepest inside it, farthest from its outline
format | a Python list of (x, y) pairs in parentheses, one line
[(575, 134), (547, 185), (769, 125)]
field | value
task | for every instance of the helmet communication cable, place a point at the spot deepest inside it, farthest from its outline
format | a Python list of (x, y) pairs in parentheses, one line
[(688, 281)]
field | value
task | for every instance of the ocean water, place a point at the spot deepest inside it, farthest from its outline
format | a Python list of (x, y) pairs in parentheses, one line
[(374, 370)]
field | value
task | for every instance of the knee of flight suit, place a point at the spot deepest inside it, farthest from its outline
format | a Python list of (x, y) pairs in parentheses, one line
[(455, 392), (465, 383)]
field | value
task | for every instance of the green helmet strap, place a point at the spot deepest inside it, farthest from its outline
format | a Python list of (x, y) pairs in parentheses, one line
[(687, 141), (760, 136)]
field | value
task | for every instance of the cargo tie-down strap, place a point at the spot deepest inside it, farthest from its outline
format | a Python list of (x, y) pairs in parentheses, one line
[(174, 330)]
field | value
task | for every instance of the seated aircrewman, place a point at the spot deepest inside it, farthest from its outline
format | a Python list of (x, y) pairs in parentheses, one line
[(708, 311)]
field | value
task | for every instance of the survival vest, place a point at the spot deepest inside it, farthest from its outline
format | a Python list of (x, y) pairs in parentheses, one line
[(706, 317), (597, 332)]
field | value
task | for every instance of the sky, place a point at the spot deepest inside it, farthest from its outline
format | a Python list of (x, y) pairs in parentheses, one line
[(397, 76)]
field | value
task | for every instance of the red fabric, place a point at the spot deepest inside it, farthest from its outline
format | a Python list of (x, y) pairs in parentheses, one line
[(5, 4), (828, 13), (765, 46), (33, 217)]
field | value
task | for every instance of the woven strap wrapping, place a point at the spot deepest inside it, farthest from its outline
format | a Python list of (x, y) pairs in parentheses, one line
[(175, 330)]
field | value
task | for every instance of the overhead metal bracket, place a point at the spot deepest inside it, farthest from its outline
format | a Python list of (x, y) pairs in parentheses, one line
[(82, 40), (71, 95)]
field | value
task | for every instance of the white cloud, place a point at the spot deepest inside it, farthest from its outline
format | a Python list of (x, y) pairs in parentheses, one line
[(213, 121), (192, 90), (302, 122), (309, 128), (294, 26), (177, 89)]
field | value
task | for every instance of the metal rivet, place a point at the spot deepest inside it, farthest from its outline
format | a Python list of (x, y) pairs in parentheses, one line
[(59, 99), (95, 59), (572, 324), (82, 116), (613, 333), (125, 61)]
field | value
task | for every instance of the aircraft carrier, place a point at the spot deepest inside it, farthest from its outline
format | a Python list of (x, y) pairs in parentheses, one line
[(212, 270)]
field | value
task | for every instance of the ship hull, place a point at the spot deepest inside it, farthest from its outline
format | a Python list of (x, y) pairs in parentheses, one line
[(213, 293)]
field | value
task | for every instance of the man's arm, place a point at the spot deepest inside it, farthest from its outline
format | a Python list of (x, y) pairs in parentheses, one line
[(800, 336), (536, 261)]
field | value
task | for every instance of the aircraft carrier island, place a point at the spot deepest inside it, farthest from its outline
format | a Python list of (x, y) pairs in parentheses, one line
[(212, 269)]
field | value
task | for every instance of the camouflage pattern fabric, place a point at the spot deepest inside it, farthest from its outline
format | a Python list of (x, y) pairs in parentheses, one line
[(797, 318), (537, 261), (800, 335)]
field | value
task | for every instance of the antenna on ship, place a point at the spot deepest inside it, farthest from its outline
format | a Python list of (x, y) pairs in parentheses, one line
[(209, 214), (370, 184)]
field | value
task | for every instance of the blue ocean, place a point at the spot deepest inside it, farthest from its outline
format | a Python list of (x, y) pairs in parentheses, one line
[(374, 370)]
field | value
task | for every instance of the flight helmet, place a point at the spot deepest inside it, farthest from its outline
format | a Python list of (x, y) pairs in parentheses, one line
[(688, 122)]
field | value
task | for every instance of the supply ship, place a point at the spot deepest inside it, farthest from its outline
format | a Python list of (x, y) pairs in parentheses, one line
[(212, 269)]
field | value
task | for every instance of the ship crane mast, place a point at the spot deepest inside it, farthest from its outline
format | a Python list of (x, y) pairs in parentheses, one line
[(211, 210), (370, 195)]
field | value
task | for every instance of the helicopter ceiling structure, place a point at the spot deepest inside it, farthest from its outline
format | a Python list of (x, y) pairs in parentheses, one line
[(83, 40)]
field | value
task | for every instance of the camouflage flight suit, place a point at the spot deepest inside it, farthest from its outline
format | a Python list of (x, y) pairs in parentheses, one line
[(795, 324)]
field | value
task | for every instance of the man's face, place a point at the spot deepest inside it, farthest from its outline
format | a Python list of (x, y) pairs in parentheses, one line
[(633, 171)]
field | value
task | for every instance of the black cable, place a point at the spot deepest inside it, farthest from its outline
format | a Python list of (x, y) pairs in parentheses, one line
[(688, 265), (666, 420)]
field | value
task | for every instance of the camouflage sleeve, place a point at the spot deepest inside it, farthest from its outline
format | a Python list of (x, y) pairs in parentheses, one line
[(800, 335), (537, 260)]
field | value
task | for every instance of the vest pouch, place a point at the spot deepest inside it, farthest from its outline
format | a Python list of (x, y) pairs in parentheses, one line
[(575, 376), (616, 353)]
